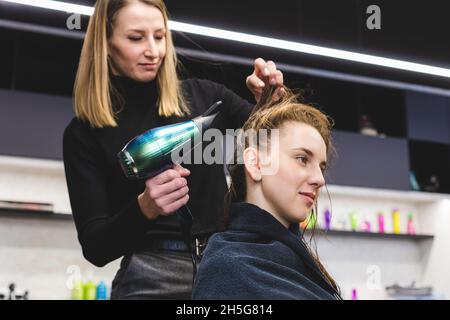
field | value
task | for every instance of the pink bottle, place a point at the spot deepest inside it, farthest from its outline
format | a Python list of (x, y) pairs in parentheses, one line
[(354, 294), (380, 223)]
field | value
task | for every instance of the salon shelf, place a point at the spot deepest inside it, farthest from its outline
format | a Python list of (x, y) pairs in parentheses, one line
[(31, 164), (416, 197), (372, 235), (34, 214)]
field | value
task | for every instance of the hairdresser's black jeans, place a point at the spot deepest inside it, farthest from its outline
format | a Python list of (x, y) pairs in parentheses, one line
[(148, 275)]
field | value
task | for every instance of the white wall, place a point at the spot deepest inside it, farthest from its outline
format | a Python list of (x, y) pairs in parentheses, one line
[(436, 218), (36, 252)]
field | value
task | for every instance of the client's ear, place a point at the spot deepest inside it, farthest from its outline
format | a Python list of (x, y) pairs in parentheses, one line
[(251, 162)]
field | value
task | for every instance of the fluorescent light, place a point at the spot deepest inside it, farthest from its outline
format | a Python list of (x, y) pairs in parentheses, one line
[(262, 41), (56, 5), (307, 48)]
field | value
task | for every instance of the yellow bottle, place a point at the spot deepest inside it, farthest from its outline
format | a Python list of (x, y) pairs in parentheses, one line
[(396, 221)]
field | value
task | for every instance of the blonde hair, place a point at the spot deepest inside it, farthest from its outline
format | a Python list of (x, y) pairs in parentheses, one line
[(92, 88)]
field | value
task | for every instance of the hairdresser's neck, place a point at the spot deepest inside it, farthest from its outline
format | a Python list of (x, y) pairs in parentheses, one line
[(257, 198)]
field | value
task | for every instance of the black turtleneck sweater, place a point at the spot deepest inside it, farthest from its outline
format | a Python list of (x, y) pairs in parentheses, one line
[(104, 203)]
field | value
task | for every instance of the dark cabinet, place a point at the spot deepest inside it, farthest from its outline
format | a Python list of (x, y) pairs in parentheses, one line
[(428, 117), (367, 161), (32, 125)]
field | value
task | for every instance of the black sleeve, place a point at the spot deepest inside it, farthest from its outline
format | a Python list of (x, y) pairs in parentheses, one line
[(104, 233)]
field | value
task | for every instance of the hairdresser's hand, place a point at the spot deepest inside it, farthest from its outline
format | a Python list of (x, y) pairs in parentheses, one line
[(164, 193), (265, 74)]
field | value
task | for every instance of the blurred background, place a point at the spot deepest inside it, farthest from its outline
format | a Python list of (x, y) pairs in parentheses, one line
[(384, 231)]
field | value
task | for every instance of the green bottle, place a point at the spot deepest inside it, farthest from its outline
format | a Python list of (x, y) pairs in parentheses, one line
[(353, 221), (312, 221), (90, 289), (77, 290)]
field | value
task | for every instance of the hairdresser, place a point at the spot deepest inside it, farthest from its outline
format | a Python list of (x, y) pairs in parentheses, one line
[(127, 83)]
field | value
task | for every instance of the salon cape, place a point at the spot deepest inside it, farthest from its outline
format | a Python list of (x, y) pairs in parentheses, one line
[(258, 258)]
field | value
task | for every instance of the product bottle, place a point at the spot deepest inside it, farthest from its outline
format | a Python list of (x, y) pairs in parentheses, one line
[(77, 290), (366, 127), (354, 294), (380, 223), (367, 226), (353, 221), (101, 291), (90, 291), (396, 221), (410, 228), (327, 216), (12, 291), (312, 221)]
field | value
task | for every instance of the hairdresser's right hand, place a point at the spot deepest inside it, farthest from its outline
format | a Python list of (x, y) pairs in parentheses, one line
[(164, 193)]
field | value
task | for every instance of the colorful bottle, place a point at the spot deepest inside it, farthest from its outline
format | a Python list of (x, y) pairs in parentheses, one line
[(327, 216), (410, 227), (381, 223), (354, 294), (312, 221), (366, 226), (353, 221), (101, 291), (90, 291), (396, 228), (77, 290)]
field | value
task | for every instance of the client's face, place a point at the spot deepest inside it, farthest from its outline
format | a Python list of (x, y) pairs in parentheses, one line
[(291, 192), (137, 46)]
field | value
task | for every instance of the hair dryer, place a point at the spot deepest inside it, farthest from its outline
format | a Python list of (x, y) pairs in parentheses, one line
[(150, 153)]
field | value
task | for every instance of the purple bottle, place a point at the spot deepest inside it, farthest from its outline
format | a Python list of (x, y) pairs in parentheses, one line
[(327, 215)]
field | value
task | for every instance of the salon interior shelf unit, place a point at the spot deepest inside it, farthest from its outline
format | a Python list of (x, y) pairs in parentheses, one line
[(35, 214), (361, 234), (320, 232), (384, 194), (31, 164)]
